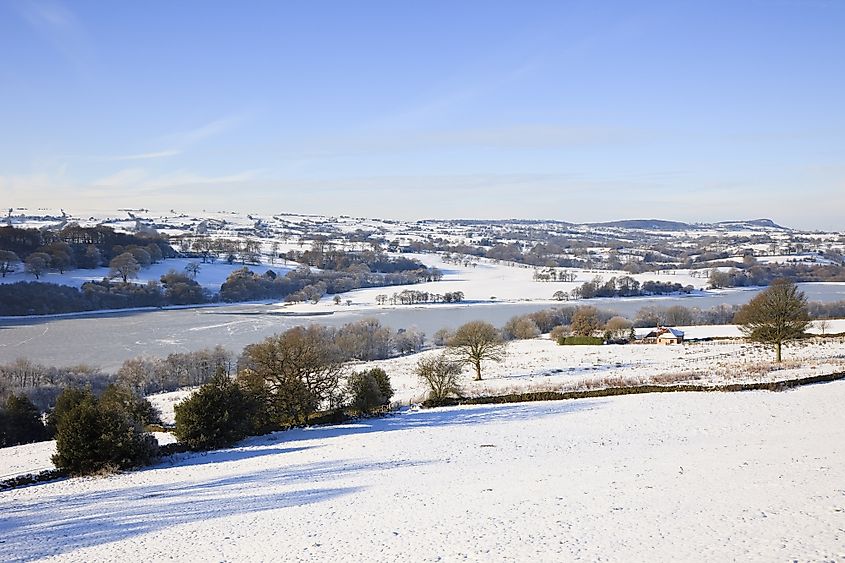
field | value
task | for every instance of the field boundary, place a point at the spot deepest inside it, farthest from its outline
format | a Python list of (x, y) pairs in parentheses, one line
[(781, 385)]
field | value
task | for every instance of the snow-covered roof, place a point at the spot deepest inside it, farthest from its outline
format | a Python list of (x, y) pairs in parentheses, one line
[(672, 333)]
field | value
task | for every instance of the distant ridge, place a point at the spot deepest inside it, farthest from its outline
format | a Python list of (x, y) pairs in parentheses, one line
[(662, 225), (768, 223), (651, 224)]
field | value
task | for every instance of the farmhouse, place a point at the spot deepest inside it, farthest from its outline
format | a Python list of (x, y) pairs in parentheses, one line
[(664, 335)]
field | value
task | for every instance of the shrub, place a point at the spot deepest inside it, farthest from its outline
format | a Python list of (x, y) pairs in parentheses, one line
[(585, 321), (4, 426), (65, 402), (22, 422), (369, 390), (216, 416), (520, 328), (139, 408), (559, 332), (580, 340), (440, 374), (94, 438), (441, 337)]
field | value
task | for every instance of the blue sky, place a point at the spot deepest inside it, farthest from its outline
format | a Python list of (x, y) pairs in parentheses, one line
[(573, 110)]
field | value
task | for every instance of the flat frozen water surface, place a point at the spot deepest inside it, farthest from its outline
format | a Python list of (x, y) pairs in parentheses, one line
[(676, 476), (106, 340)]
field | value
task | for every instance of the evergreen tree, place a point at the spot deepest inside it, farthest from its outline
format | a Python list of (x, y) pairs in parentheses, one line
[(93, 437), (217, 415), (23, 421)]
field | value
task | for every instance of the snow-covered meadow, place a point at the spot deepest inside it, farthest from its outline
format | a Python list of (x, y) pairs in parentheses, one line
[(681, 476), (543, 365)]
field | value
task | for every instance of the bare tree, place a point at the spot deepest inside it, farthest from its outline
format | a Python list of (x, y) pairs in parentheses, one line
[(440, 374), (823, 325), (192, 268), (8, 262), (618, 327), (37, 263), (520, 328), (475, 342), (124, 266), (775, 316)]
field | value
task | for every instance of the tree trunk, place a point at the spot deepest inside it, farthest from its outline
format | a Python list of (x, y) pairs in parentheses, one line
[(777, 352), (477, 370)]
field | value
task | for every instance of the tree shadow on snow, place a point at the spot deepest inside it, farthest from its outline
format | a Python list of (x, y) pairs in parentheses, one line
[(55, 524), (220, 456)]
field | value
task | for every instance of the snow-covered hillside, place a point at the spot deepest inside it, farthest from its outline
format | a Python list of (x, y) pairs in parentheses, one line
[(669, 477)]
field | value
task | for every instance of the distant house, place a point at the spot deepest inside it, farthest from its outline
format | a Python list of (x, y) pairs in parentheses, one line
[(664, 335)]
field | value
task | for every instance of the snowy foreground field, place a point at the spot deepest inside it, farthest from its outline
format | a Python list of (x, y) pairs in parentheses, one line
[(679, 476)]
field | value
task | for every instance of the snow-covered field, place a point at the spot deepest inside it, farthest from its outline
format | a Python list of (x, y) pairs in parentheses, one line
[(492, 282), (543, 365), (750, 476)]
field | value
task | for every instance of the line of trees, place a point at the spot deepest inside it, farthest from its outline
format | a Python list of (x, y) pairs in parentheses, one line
[(39, 298), (304, 284), (764, 274), (411, 297), (626, 286)]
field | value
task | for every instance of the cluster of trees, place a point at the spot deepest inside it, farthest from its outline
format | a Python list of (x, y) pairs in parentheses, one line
[(553, 275), (363, 340), (289, 378), (459, 259), (303, 284), (626, 286), (38, 251), (209, 250), (39, 298), (323, 256), (42, 384), (283, 381), (764, 274), (146, 375), (94, 432), (411, 297)]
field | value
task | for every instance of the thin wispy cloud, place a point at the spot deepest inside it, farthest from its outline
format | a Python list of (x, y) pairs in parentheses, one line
[(214, 128), (140, 180), (58, 25), (149, 155), (514, 136), (176, 143)]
